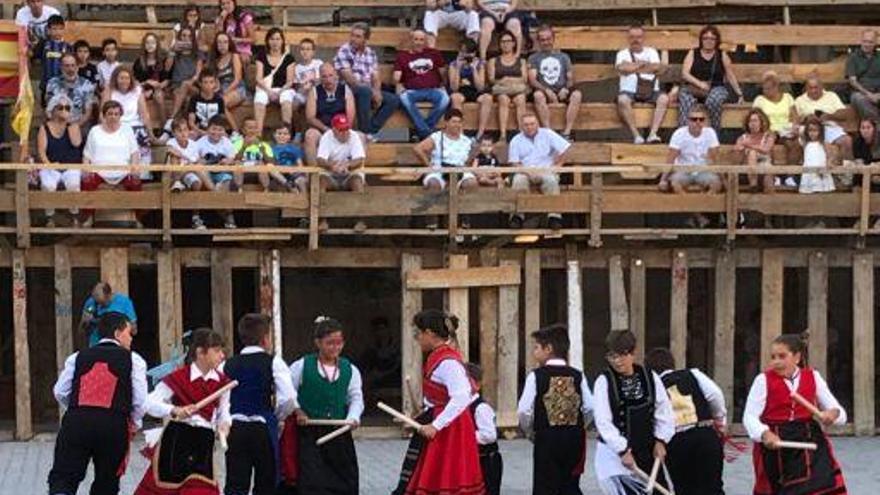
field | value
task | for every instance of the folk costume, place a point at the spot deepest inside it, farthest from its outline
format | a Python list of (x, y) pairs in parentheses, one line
[(448, 464), (695, 456), (182, 461), (555, 406), (631, 412), (770, 407), (264, 396), (103, 389), (327, 392), (491, 464)]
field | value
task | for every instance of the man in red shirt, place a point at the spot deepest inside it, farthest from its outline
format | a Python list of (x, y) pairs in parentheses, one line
[(420, 76)]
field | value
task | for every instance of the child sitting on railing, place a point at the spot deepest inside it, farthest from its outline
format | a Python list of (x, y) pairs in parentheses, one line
[(250, 151), (216, 149), (486, 158), (287, 154), (816, 154), (184, 151)]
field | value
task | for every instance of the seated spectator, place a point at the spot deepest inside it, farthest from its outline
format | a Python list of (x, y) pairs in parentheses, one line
[(359, 68), (420, 77), (226, 63), (325, 101), (182, 150), (76, 88), (122, 88), (445, 149), (275, 78), (456, 14), (500, 15), (239, 24), (110, 144), (252, 151), (756, 146), (85, 67), (866, 147), (467, 83), (151, 72), (59, 141), (51, 51), (110, 50), (191, 18), (341, 153), (215, 148), (34, 16), (827, 106), (695, 144), (817, 154), (306, 73), (863, 72), (779, 108), (207, 104), (704, 71), (508, 76), (552, 78), (184, 65), (639, 67), (487, 159), (537, 147), (288, 154)]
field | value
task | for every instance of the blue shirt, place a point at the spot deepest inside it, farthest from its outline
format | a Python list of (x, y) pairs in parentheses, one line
[(51, 58), (287, 154), (117, 304)]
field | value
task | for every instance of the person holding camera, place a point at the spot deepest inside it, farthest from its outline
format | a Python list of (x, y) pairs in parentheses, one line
[(828, 106), (467, 84)]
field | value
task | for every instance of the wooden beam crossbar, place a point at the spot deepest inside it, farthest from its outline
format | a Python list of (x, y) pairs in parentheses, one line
[(457, 278)]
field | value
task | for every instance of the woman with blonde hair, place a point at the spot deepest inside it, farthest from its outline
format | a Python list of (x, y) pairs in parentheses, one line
[(779, 108)]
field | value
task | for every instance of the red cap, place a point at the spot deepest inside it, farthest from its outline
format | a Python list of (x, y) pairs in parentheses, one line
[(340, 122)]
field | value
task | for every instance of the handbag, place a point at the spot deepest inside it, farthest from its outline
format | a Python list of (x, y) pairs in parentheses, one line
[(644, 86), (698, 92), (509, 87)]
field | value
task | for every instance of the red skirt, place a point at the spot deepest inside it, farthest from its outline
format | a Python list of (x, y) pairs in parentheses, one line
[(148, 485), (763, 485), (449, 464)]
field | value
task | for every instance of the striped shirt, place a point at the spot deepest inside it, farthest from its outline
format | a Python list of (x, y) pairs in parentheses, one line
[(362, 64)]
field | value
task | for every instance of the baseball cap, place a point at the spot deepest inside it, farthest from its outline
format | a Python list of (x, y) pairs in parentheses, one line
[(340, 122)]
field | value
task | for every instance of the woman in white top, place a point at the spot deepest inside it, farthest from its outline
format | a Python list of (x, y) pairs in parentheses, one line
[(123, 89)]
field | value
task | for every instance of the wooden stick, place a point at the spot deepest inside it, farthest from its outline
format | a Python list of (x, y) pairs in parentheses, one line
[(655, 469), (809, 406), (328, 422), (785, 444), (399, 415), (224, 445), (333, 434), (216, 395), (644, 476)]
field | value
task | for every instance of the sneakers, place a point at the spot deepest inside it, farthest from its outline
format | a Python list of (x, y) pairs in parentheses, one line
[(554, 222), (230, 222), (516, 222), (199, 224), (50, 223), (177, 186), (790, 182), (638, 140), (360, 227), (653, 139)]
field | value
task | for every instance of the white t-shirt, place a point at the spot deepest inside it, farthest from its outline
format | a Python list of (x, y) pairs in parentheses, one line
[(189, 154), (308, 72), (105, 71), (36, 26), (693, 150), (629, 83), (111, 148), (334, 151), (212, 153), (129, 102), (539, 151), (455, 151)]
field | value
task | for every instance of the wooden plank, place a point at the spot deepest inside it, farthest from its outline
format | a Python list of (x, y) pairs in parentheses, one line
[(617, 294), (314, 204), (678, 306), (170, 303), (23, 422), (63, 307), (771, 300), (817, 312), (596, 194), (508, 350), (221, 297), (575, 306), (532, 270), (270, 295), (166, 205), (865, 204), (863, 344), (637, 296), (489, 322), (22, 211), (411, 354), (114, 268), (458, 304), (449, 278), (725, 324)]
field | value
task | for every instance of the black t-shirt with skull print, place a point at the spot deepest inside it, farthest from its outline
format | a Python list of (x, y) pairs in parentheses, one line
[(552, 68)]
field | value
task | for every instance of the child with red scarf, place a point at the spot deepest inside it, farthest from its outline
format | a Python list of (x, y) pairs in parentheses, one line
[(771, 415)]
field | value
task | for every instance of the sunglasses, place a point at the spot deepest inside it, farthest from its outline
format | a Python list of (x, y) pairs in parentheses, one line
[(63, 108), (697, 119)]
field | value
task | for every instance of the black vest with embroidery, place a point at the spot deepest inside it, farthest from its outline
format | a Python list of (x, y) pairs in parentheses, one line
[(558, 398), (688, 402), (102, 379), (632, 406), (489, 448)]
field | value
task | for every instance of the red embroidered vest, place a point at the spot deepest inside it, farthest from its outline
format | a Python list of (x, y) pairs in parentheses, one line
[(188, 392), (436, 393), (780, 407)]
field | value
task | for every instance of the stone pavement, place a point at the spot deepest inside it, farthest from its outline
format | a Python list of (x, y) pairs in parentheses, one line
[(23, 467)]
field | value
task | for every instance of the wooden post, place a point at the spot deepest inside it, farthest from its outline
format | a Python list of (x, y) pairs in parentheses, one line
[(637, 304), (151, 15), (865, 204), (221, 297), (458, 305), (170, 303), (114, 268), (411, 354), (63, 306), (725, 323), (617, 294), (270, 294), (23, 421), (314, 206), (678, 305), (508, 351), (489, 322), (22, 210), (595, 210), (731, 200), (817, 312), (575, 307), (771, 300), (863, 343), (452, 223), (166, 206), (532, 303)]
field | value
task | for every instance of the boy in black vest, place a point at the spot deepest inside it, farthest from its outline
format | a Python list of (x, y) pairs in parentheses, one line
[(487, 433), (103, 389), (555, 407), (264, 396), (696, 452)]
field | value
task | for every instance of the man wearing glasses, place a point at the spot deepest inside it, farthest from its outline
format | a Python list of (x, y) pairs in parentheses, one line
[(694, 144), (639, 66), (78, 89)]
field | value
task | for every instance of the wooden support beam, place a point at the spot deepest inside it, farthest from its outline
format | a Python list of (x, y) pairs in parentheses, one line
[(411, 354), (221, 297), (314, 206), (458, 305), (817, 312), (732, 199), (170, 303), (23, 422), (617, 294), (863, 344), (459, 278), (532, 303), (725, 323), (452, 220), (114, 268), (270, 294), (596, 210), (22, 210), (865, 204), (489, 322), (637, 294), (771, 300), (678, 306), (508, 350), (575, 305), (63, 307), (166, 207)]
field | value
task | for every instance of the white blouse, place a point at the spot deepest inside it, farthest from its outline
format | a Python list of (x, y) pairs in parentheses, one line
[(452, 375)]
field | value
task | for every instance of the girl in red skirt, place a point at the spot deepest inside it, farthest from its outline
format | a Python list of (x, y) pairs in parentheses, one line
[(448, 458), (771, 415), (182, 462)]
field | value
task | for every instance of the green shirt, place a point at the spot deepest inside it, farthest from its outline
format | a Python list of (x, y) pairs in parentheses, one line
[(866, 69), (254, 154)]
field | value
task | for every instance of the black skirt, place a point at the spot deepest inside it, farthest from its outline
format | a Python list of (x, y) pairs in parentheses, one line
[(329, 469)]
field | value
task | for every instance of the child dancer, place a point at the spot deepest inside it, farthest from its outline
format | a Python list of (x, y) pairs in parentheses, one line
[(772, 415), (183, 460), (487, 434), (555, 407)]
